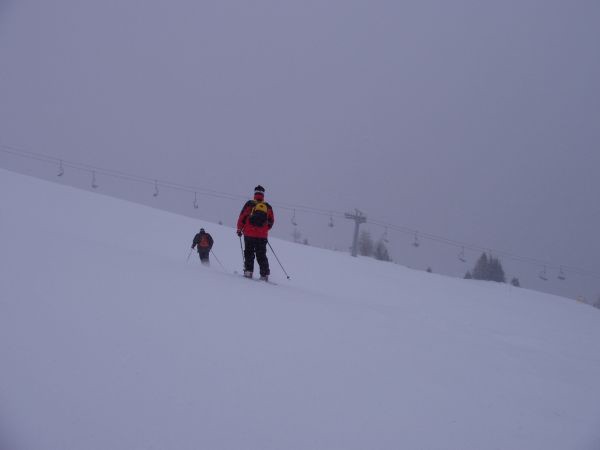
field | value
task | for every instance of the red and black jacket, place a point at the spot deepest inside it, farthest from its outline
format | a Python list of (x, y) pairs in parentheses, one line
[(203, 242), (251, 230)]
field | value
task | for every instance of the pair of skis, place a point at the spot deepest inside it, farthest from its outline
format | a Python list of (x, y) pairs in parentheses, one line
[(255, 279)]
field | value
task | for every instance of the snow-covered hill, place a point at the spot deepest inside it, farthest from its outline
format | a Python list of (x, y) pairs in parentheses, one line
[(110, 339)]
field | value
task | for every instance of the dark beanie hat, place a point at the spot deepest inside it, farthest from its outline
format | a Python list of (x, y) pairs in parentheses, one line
[(258, 189)]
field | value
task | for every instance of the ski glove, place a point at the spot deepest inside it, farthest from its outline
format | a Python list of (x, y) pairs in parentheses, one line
[(239, 233)]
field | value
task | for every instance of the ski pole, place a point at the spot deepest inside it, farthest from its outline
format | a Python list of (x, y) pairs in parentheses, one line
[(242, 248), (189, 254), (213, 253), (286, 274)]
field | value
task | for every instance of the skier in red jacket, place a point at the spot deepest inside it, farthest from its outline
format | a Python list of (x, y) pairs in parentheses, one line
[(255, 221)]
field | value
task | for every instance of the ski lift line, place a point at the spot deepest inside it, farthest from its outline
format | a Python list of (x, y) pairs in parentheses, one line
[(148, 180), (11, 151), (474, 247), (310, 209), (307, 211), (128, 177), (121, 175), (117, 173), (71, 165), (286, 206), (75, 165), (151, 181), (455, 243)]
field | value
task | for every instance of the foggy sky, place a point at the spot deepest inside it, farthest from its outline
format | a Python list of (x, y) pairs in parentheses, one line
[(473, 120)]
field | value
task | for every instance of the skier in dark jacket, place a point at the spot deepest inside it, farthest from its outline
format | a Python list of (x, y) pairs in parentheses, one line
[(255, 221), (203, 243)]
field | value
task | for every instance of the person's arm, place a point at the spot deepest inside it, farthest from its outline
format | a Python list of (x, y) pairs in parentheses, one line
[(243, 217)]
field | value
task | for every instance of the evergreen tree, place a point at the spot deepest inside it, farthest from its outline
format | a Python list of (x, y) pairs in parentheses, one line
[(468, 275), (365, 244), (481, 269), (515, 282), (296, 235), (489, 268), (381, 252), (429, 270), (495, 270)]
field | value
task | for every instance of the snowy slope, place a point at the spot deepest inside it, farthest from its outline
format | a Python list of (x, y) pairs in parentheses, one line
[(109, 339)]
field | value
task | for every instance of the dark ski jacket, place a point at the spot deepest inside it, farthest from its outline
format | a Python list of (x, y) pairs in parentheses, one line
[(203, 242)]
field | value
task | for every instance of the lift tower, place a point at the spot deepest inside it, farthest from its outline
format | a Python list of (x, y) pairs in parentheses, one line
[(358, 218)]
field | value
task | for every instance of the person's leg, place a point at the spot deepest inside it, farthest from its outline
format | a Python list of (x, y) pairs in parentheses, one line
[(261, 257), (204, 255), (249, 250)]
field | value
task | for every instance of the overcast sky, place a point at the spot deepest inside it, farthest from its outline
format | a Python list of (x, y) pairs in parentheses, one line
[(474, 120)]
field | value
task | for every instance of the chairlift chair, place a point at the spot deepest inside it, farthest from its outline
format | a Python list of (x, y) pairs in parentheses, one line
[(384, 238), (461, 255), (416, 241), (543, 275)]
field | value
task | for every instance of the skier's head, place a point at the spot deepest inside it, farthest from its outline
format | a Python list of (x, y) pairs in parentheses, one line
[(202, 231), (259, 193)]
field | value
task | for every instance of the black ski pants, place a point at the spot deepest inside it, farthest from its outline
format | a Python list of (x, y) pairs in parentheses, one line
[(258, 247), (203, 254)]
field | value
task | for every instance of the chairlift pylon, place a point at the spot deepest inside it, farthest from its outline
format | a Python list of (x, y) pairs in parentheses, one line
[(155, 194), (61, 170), (294, 219), (94, 184), (330, 224), (195, 200)]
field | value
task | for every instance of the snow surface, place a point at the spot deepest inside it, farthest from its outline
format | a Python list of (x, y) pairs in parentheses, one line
[(110, 339)]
